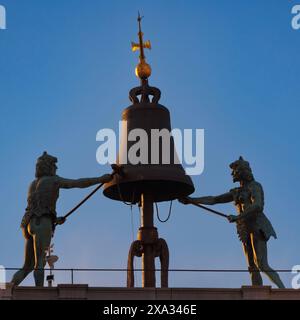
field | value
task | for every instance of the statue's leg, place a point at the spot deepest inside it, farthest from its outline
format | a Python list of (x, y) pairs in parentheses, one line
[(163, 253), (135, 250), (259, 245), (28, 266), (42, 233), (256, 278)]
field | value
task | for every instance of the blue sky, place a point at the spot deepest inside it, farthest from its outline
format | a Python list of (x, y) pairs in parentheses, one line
[(229, 67)]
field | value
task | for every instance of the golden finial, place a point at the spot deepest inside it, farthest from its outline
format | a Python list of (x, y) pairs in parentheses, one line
[(143, 69)]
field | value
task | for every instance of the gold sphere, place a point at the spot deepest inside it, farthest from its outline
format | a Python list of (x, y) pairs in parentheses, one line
[(143, 70)]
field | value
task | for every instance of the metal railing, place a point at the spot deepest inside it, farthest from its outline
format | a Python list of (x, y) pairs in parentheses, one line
[(73, 270)]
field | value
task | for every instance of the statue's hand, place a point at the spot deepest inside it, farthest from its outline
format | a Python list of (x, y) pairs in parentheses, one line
[(185, 200), (106, 178), (232, 218), (60, 220)]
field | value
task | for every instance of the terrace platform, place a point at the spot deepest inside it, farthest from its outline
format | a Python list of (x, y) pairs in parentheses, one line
[(84, 292)]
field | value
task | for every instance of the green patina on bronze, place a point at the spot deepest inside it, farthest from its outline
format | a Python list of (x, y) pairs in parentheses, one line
[(253, 227), (40, 217)]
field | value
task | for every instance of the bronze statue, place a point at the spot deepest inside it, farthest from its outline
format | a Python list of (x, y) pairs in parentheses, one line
[(253, 227), (40, 217)]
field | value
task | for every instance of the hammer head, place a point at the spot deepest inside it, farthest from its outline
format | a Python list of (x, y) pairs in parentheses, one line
[(117, 170)]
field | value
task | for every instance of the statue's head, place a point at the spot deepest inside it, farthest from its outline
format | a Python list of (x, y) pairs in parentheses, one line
[(241, 170), (45, 165)]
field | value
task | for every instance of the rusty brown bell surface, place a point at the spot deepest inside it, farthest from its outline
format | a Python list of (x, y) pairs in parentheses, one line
[(164, 181)]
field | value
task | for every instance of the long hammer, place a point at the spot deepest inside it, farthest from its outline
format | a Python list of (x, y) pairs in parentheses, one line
[(116, 170), (208, 209)]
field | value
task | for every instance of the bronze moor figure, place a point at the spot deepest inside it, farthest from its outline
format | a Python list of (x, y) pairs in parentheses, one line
[(40, 217), (253, 227)]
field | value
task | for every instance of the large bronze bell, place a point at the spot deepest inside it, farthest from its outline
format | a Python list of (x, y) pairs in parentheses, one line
[(164, 181)]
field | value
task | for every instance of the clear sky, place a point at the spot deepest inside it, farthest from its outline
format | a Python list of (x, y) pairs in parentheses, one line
[(230, 67)]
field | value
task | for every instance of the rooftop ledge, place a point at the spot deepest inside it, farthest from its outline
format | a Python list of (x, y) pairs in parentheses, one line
[(84, 292)]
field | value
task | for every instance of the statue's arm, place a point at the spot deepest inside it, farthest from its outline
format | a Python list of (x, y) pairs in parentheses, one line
[(30, 192), (82, 183), (211, 200), (257, 201)]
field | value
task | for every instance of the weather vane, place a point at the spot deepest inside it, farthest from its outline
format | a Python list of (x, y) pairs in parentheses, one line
[(143, 69)]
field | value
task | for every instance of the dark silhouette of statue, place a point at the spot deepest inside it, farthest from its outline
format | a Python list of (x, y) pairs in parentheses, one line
[(253, 227), (40, 217)]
